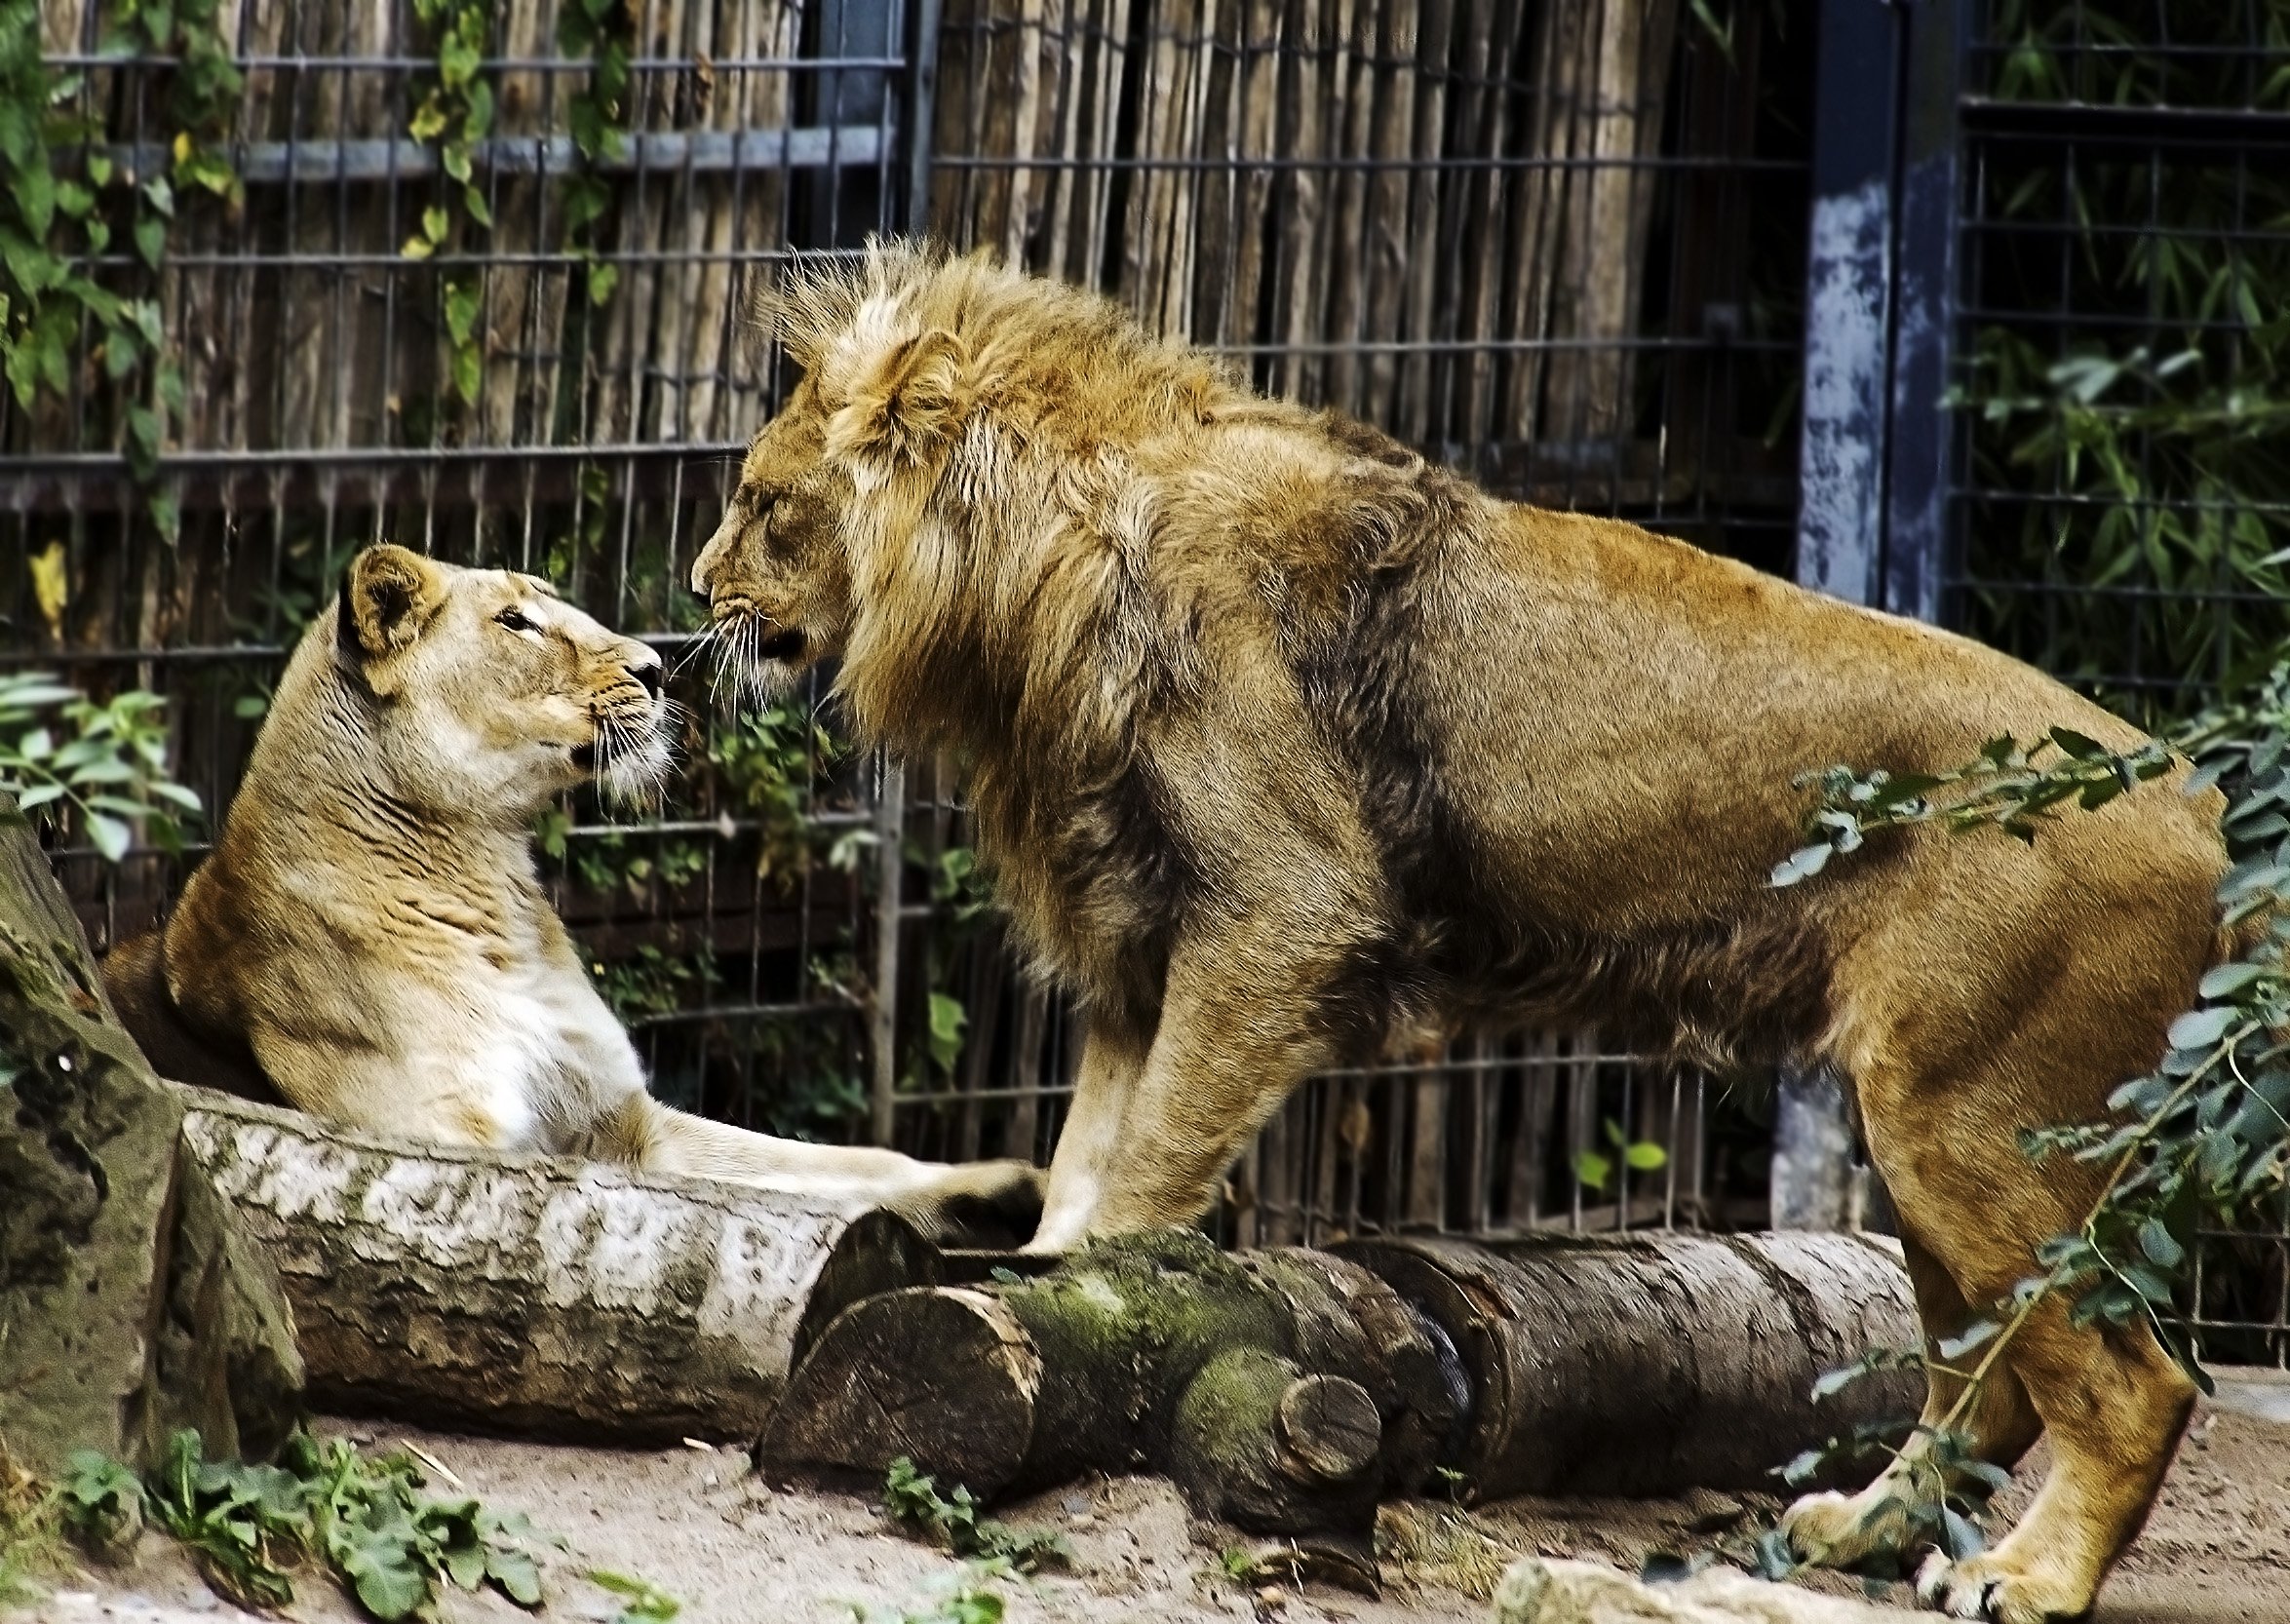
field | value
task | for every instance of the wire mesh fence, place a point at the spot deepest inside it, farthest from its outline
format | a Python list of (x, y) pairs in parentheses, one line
[(1521, 238), (2122, 496), (464, 290)]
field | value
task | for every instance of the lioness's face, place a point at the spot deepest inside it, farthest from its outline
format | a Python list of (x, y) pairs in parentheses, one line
[(775, 572), (492, 693)]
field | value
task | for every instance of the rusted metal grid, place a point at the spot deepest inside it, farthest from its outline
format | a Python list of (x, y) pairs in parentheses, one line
[(1520, 238)]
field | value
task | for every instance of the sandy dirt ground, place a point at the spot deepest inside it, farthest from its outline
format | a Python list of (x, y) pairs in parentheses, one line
[(735, 1551)]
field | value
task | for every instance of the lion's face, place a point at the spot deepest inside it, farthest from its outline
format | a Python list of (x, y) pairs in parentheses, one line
[(775, 572), (492, 694)]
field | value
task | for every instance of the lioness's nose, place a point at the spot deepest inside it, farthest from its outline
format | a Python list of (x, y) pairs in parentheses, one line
[(645, 669)]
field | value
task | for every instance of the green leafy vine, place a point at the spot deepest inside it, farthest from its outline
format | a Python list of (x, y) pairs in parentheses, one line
[(605, 32), (63, 199), (454, 114)]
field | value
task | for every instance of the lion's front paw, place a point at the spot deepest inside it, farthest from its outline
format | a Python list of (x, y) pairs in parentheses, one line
[(1835, 1530), (1993, 1585), (988, 1205)]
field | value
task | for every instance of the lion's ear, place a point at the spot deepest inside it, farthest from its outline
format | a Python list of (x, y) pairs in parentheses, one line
[(388, 596), (908, 406)]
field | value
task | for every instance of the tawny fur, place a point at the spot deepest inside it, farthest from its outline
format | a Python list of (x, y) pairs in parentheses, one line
[(370, 935), (1282, 741)]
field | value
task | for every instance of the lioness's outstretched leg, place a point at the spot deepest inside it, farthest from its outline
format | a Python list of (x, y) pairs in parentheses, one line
[(944, 1201)]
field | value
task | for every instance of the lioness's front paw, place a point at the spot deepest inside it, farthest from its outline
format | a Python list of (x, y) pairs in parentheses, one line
[(1993, 1586), (1833, 1530), (989, 1205)]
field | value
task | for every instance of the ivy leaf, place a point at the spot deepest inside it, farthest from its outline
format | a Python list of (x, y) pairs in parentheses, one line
[(34, 191), (948, 1020), (1593, 1168), (151, 239), (462, 300), (166, 515), (2160, 1245), (1646, 1156), (602, 279), (468, 371)]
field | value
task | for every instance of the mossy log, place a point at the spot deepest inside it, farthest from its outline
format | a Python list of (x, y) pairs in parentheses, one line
[(1281, 1391), (1285, 1390), (537, 1295), (1647, 1365), (128, 1305)]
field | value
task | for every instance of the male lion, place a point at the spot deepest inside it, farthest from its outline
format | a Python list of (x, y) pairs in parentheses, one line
[(370, 936), (1283, 739)]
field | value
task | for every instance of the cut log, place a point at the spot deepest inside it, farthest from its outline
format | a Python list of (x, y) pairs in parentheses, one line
[(1281, 1391), (1284, 1390), (128, 1307), (1651, 1364), (537, 1295)]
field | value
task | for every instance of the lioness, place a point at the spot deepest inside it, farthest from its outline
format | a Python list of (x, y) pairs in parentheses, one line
[(1282, 739), (370, 935)]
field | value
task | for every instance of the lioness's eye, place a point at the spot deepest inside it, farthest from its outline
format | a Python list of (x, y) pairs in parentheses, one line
[(515, 620)]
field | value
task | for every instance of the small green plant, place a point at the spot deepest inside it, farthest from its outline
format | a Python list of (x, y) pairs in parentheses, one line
[(970, 1600), (1596, 1168), (246, 1526), (641, 1601), (102, 1503), (250, 1526), (953, 1522), (104, 761)]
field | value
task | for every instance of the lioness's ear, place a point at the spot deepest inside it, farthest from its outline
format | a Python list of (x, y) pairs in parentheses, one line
[(388, 596), (908, 406)]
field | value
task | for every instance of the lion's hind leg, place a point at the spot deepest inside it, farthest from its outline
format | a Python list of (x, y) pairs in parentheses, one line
[(1952, 1060), (2114, 1404), (1841, 1531)]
